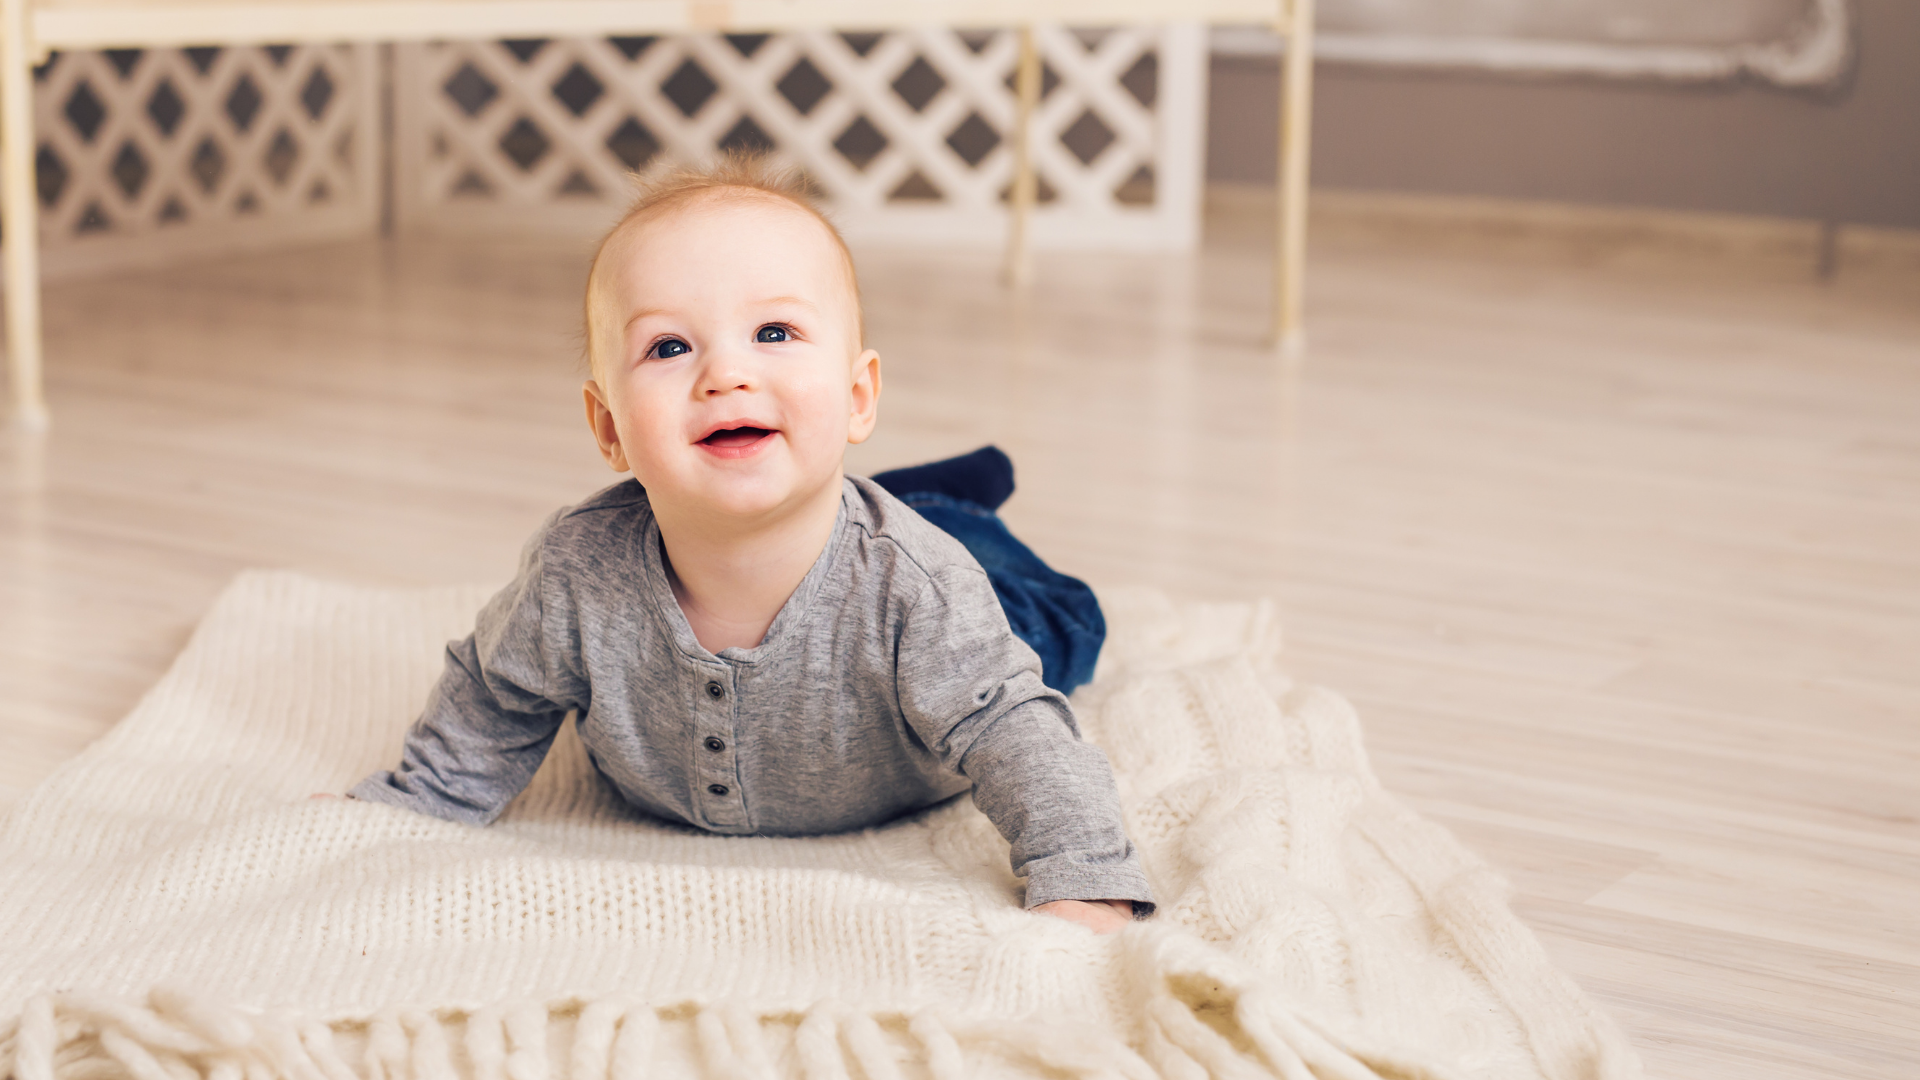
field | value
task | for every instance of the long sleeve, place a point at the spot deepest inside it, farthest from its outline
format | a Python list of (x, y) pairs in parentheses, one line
[(494, 713), (971, 690)]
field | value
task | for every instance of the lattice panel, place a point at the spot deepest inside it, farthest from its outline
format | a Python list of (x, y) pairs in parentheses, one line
[(908, 133), (195, 147)]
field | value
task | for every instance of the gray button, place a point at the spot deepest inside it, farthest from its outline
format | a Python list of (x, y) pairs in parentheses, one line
[(714, 690), (715, 743), (717, 789)]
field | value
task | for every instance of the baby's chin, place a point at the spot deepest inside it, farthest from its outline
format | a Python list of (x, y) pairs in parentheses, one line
[(752, 488)]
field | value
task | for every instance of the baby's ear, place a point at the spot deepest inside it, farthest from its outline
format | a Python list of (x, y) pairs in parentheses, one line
[(600, 422), (866, 397)]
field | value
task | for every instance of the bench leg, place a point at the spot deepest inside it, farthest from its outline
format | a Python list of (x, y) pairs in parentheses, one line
[(19, 217), (1296, 120), (1026, 97)]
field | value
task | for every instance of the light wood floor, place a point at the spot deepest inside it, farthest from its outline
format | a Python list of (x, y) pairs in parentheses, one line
[(1620, 560)]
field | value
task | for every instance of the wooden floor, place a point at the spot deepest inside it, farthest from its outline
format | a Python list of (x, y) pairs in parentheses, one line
[(1619, 559)]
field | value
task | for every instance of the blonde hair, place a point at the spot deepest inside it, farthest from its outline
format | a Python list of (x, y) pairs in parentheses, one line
[(733, 174)]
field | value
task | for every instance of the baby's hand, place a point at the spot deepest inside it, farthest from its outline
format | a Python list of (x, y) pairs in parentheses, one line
[(1099, 916)]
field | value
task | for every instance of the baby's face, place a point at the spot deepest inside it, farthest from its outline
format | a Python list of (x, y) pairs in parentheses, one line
[(729, 372)]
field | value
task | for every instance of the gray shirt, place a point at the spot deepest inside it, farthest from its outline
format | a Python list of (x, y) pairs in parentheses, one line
[(890, 680)]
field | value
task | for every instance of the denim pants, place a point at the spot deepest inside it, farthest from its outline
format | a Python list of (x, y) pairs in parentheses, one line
[(1055, 614)]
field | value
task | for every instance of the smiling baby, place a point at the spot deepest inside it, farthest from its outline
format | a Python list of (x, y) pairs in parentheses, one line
[(753, 641)]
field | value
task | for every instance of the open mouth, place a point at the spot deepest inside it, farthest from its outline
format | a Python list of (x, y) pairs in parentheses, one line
[(737, 438)]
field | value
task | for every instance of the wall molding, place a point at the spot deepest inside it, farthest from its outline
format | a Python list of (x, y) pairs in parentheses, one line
[(1816, 52), (1737, 244)]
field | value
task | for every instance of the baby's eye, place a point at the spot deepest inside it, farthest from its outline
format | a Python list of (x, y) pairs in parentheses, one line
[(771, 332), (670, 348)]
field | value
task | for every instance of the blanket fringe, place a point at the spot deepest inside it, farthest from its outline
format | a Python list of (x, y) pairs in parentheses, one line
[(1182, 1043), (175, 1035)]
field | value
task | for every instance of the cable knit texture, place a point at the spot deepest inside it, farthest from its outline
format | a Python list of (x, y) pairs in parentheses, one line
[(174, 906)]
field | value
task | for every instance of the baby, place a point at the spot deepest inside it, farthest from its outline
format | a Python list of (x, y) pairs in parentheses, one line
[(753, 641)]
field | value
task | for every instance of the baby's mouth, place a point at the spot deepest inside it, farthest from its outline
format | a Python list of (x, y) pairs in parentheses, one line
[(735, 438)]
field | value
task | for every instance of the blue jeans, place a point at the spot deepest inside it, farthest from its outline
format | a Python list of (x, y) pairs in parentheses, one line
[(1055, 614)]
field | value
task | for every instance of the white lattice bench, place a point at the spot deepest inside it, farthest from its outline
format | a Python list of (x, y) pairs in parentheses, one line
[(30, 29)]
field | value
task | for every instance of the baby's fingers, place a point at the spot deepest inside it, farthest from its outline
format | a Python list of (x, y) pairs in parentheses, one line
[(1099, 916)]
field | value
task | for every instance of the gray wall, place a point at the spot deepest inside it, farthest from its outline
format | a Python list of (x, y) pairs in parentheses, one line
[(1850, 155)]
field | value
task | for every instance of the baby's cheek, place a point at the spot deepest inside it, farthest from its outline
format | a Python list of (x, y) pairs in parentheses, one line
[(819, 411), (648, 425)]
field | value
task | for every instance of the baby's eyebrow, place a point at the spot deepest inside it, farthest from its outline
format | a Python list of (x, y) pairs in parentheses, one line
[(641, 314), (790, 301), (772, 301)]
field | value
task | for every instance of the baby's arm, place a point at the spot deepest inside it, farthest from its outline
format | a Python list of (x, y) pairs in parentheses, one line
[(493, 715), (972, 691), (1052, 796), (470, 752)]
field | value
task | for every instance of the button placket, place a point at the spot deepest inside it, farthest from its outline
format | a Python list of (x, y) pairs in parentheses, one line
[(715, 752)]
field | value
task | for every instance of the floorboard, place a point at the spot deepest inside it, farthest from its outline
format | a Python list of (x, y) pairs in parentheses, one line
[(1619, 559)]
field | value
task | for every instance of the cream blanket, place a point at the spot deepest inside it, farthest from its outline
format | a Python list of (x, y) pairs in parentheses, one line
[(174, 905)]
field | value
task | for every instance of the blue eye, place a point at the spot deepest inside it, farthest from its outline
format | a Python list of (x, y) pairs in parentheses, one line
[(770, 333), (671, 347)]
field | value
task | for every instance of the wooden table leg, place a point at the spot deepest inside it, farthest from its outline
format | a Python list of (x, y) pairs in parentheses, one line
[(19, 217), (1296, 122), (1026, 95)]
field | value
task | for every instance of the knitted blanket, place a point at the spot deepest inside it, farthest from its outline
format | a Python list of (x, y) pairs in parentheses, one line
[(176, 906)]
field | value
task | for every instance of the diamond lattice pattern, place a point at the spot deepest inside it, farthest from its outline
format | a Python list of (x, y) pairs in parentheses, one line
[(135, 142), (885, 124)]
